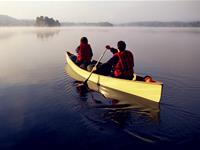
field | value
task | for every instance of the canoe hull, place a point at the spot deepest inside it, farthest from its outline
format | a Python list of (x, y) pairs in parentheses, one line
[(151, 91)]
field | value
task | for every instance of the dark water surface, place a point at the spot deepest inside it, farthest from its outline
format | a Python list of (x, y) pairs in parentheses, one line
[(41, 107)]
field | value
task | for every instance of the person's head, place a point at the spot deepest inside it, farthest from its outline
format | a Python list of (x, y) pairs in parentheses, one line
[(121, 45), (84, 40)]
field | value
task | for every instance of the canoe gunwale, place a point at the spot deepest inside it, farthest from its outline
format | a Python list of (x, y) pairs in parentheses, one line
[(152, 83)]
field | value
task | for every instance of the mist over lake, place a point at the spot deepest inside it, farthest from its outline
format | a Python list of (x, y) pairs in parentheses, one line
[(41, 107)]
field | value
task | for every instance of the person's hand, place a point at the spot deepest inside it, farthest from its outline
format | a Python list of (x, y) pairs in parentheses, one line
[(108, 47), (94, 69)]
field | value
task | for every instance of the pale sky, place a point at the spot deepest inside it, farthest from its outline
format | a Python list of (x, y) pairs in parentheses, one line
[(112, 11)]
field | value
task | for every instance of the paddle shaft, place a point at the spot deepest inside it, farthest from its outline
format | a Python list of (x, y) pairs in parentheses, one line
[(95, 66)]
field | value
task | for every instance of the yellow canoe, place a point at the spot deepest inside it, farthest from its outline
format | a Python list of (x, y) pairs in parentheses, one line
[(150, 91)]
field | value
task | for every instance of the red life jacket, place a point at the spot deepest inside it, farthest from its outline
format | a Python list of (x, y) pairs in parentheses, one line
[(84, 53), (124, 65)]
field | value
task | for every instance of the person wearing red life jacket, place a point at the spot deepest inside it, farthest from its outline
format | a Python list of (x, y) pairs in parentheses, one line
[(120, 65), (84, 53), (122, 61)]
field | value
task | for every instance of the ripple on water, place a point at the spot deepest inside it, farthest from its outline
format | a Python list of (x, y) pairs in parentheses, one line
[(166, 124), (181, 91)]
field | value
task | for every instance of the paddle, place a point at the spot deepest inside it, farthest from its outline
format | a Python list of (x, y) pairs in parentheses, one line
[(85, 82)]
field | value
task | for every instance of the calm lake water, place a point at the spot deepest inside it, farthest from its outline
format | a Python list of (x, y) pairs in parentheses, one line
[(41, 107)]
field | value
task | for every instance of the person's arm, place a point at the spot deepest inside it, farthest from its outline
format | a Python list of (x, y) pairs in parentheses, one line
[(113, 50), (77, 49)]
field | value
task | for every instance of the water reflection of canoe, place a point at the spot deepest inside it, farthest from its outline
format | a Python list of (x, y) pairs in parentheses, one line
[(116, 100), (150, 91)]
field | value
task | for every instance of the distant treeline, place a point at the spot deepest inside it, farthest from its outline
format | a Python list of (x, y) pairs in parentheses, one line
[(87, 24), (50, 22), (162, 24), (46, 21), (10, 21)]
